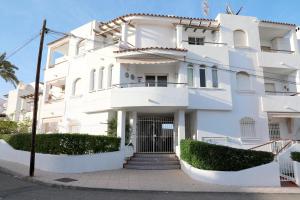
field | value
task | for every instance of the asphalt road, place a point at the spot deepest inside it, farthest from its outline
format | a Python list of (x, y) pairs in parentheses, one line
[(15, 188)]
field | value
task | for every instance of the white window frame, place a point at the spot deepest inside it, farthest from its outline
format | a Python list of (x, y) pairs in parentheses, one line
[(247, 126), (190, 79), (215, 77)]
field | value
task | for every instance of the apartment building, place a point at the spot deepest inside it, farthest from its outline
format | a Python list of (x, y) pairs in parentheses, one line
[(232, 80)]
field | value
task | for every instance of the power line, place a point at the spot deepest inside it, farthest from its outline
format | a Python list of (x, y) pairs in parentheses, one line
[(19, 48), (189, 62)]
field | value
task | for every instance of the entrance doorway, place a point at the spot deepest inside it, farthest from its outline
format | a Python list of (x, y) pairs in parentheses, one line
[(155, 134)]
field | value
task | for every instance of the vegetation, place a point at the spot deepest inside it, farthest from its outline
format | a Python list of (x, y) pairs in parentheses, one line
[(8, 70), (221, 158), (112, 129), (71, 144), (295, 156), (10, 127)]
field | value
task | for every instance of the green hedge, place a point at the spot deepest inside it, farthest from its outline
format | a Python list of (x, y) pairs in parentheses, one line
[(71, 144), (221, 158), (8, 127), (295, 156)]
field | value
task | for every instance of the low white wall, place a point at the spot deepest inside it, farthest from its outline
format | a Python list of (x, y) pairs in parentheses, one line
[(64, 163), (297, 172), (264, 175)]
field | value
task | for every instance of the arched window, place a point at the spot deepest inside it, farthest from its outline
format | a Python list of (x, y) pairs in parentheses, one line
[(100, 79), (243, 81), (77, 87), (240, 38), (190, 76), (92, 79), (247, 125), (110, 76), (81, 47), (214, 74)]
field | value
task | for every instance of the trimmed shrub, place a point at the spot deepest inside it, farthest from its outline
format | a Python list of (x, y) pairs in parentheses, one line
[(295, 156), (5, 137), (207, 156), (71, 144), (8, 127)]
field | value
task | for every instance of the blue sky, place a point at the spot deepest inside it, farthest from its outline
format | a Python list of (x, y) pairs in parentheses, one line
[(20, 20)]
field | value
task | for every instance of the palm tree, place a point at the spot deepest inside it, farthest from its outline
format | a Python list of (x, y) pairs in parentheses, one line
[(7, 70)]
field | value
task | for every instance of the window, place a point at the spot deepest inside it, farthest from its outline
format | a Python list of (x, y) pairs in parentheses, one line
[(159, 81), (202, 76), (92, 79), (190, 76), (214, 73), (100, 79), (243, 81), (110, 76), (240, 38), (196, 41), (77, 87), (247, 125)]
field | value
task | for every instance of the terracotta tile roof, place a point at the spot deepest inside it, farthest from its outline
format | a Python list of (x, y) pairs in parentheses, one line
[(158, 15), (150, 48), (282, 23)]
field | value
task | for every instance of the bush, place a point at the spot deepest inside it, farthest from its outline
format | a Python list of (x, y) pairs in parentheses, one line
[(71, 144), (221, 158), (295, 156), (5, 137), (112, 129), (8, 127)]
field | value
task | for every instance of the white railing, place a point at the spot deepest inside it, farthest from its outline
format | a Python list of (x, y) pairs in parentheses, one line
[(276, 93), (286, 168)]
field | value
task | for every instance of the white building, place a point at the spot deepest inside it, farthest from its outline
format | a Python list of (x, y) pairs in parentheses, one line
[(3, 104), (20, 102), (233, 80)]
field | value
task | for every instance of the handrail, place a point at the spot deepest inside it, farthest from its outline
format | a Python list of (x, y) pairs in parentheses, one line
[(262, 144), (280, 150), (277, 50), (222, 43)]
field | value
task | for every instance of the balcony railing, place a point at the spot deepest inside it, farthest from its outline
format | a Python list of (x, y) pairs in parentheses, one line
[(150, 84), (208, 43), (276, 93)]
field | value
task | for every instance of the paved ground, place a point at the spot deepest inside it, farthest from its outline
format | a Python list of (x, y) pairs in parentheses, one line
[(154, 180), (14, 188)]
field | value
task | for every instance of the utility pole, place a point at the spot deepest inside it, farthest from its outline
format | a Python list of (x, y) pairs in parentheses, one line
[(36, 99)]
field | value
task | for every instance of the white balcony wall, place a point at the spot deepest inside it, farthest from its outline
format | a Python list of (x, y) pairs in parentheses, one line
[(155, 35), (279, 60), (149, 96), (288, 104)]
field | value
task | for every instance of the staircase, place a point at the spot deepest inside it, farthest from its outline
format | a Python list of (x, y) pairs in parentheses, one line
[(153, 161)]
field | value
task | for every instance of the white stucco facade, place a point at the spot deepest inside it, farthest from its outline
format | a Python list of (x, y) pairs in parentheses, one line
[(225, 81)]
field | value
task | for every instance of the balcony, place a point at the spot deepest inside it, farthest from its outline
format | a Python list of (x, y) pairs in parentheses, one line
[(281, 59), (53, 109), (58, 70), (281, 104), (149, 95)]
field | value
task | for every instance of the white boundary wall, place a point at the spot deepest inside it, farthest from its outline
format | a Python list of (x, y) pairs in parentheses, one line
[(263, 175), (64, 163)]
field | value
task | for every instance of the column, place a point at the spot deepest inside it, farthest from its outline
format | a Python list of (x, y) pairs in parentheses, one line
[(179, 42), (182, 74), (294, 42), (180, 129), (133, 121), (196, 76), (297, 75), (124, 34), (121, 127)]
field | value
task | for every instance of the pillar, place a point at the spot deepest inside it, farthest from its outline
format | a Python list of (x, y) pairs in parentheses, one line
[(182, 74), (179, 38), (196, 76), (180, 129), (121, 127), (294, 42), (133, 121), (124, 35), (297, 77)]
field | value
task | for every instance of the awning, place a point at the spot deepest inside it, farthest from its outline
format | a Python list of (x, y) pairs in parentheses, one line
[(145, 61)]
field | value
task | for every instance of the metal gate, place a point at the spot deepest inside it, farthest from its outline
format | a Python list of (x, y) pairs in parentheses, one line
[(274, 131), (155, 134), (286, 167)]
